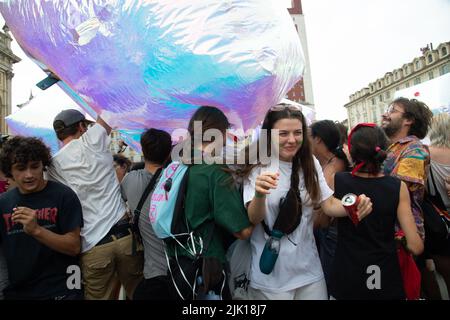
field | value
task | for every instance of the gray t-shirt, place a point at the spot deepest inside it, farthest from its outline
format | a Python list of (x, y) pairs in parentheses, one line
[(440, 172), (132, 188), (3, 274)]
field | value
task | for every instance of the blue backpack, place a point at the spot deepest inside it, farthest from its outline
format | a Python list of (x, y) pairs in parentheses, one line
[(167, 202), (169, 224)]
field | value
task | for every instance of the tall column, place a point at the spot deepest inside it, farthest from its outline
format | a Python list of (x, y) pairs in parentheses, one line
[(302, 91), (7, 59)]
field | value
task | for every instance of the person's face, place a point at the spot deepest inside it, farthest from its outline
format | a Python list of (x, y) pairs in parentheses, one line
[(290, 137), (28, 177), (392, 119)]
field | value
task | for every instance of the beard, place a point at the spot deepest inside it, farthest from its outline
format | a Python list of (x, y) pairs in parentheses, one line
[(392, 128)]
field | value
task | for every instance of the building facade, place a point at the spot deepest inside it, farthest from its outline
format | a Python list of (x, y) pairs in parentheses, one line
[(7, 59), (369, 103), (302, 91)]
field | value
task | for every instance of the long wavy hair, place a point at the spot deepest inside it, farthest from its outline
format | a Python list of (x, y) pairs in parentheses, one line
[(303, 159)]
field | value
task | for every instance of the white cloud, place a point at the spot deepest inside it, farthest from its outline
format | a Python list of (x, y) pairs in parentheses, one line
[(354, 42)]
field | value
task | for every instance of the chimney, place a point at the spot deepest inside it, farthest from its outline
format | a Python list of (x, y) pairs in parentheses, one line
[(296, 7)]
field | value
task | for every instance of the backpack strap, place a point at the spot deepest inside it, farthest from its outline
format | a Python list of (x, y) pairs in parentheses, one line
[(137, 210), (266, 228), (179, 218)]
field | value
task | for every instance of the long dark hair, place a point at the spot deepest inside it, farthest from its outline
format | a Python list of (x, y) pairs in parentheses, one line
[(331, 136), (210, 118), (303, 159)]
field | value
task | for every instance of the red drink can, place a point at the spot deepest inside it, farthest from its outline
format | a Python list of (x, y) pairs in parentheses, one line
[(350, 202)]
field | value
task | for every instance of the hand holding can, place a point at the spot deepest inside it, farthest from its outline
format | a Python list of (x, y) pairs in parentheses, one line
[(357, 207), (350, 202)]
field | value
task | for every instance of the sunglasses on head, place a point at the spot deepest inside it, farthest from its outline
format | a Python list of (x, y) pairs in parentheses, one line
[(284, 106)]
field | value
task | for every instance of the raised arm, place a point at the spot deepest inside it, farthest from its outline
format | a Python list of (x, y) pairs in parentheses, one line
[(102, 122)]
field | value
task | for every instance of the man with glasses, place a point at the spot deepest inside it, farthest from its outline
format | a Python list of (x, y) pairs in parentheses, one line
[(405, 122), (86, 165)]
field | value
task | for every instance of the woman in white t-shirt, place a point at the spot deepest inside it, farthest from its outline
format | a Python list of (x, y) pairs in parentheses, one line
[(297, 273)]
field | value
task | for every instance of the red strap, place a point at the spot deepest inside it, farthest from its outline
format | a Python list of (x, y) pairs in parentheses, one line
[(357, 167)]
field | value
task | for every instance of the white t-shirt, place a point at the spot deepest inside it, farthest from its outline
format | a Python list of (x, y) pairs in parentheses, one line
[(86, 165), (297, 265)]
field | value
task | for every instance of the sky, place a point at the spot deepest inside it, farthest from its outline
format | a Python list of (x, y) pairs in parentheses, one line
[(350, 42)]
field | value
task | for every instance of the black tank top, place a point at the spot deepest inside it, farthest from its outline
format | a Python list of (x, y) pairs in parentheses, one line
[(367, 252)]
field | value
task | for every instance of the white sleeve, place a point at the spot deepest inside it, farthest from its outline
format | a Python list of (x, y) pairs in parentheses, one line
[(96, 138), (249, 185), (55, 174), (325, 190)]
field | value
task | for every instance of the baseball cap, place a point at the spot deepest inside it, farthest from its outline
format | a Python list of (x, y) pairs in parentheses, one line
[(67, 118)]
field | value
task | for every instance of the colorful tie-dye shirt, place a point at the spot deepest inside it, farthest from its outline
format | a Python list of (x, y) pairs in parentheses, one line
[(407, 160)]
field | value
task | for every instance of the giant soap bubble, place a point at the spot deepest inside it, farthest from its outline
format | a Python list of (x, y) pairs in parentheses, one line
[(141, 64), (35, 119)]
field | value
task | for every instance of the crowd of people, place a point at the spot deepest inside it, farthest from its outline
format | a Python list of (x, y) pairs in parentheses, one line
[(76, 224)]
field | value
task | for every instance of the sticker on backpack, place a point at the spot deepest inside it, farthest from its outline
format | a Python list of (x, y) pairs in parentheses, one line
[(164, 199)]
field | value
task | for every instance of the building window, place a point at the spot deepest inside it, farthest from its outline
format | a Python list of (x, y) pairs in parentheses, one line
[(430, 58), (380, 97), (444, 69), (407, 84), (379, 84), (444, 51), (373, 101), (417, 81), (431, 75), (387, 95), (406, 70), (397, 88), (417, 65)]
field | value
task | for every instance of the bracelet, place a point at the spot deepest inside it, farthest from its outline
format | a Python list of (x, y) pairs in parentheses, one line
[(259, 195)]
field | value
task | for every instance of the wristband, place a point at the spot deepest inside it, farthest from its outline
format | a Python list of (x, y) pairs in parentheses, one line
[(259, 195)]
